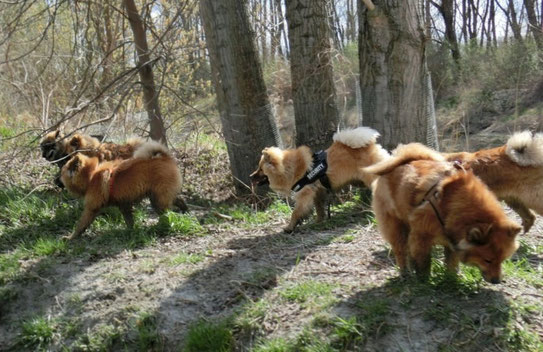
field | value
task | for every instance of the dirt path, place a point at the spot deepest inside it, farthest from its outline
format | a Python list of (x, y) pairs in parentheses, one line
[(237, 267)]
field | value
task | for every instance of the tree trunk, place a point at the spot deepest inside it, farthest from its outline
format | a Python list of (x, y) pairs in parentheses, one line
[(447, 11), (243, 103), (392, 71), (535, 25), (313, 91), (150, 94)]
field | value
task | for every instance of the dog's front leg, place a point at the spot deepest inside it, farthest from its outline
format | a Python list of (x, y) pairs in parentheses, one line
[(525, 214), (126, 210), (420, 249), (451, 260), (86, 219), (304, 204)]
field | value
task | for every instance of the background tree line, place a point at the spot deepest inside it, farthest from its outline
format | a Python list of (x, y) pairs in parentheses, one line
[(158, 67)]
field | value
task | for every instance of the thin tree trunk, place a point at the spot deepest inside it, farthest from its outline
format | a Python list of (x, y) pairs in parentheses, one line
[(313, 89), (244, 107), (150, 94), (535, 25)]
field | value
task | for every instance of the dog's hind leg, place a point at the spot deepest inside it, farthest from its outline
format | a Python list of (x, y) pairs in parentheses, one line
[(528, 218), (395, 233), (321, 199), (304, 204)]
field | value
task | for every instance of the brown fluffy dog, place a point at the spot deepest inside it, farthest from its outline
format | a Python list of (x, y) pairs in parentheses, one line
[(152, 172), (421, 200), (351, 151), (57, 148), (514, 172)]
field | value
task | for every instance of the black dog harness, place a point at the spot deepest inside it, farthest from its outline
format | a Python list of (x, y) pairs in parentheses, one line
[(318, 172)]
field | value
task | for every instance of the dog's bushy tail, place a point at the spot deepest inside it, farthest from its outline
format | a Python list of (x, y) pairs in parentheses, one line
[(403, 154), (525, 149), (357, 137), (135, 142), (151, 149)]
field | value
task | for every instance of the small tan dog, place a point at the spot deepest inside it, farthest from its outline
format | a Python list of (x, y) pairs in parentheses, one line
[(514, 172), (351, 151), (152, 172), (421, 200)]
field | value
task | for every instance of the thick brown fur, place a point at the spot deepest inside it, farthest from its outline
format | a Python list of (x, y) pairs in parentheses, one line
[(282, 168), (475, 229), (514, 172), (56, 146), (151, 173)]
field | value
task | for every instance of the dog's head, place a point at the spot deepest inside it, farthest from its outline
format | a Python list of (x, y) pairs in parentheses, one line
[(486, 246), (79, 142), (51, 146), (75, 174), (269, 166)]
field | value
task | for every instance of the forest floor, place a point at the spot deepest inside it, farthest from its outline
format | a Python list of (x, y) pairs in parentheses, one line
[(225, 277)]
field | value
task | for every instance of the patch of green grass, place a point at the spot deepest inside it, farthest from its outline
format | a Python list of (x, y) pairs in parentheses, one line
[(182, 224), (247, 217), (38, 332), (146, 337), (522, 269), (251, 316), (6, 132), (205, 336), (49, 246), (514, 331), (101, 338), (309, 293), (186, 258), (274, 345), (10, 265)]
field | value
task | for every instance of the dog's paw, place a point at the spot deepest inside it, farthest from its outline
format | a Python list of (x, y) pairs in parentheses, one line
[(288, 229), (68, 237)]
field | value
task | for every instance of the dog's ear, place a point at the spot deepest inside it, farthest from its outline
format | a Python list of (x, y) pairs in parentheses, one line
[(266, 155), (514, 230), (479, 234), (57, 134), (76, 141), (75, 162)]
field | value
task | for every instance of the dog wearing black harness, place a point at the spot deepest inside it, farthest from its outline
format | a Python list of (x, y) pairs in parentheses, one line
[(309, 176)]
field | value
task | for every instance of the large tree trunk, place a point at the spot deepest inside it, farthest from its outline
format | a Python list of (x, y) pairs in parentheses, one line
[(243, 103), (313, 91), (392, 71), (150, 94)]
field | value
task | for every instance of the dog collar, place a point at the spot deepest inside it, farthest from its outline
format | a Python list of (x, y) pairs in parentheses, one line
[(318, 172), (430, 197)]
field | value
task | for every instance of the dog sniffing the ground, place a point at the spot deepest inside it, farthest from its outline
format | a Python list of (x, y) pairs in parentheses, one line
[(152, 173), (294, 169), (514, 172), (421, 200)]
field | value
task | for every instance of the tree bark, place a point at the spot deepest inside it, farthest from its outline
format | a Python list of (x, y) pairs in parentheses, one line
[(535, 25), (447, 10), (244, 107), (150, 93), (392, 71), (313, 90)]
